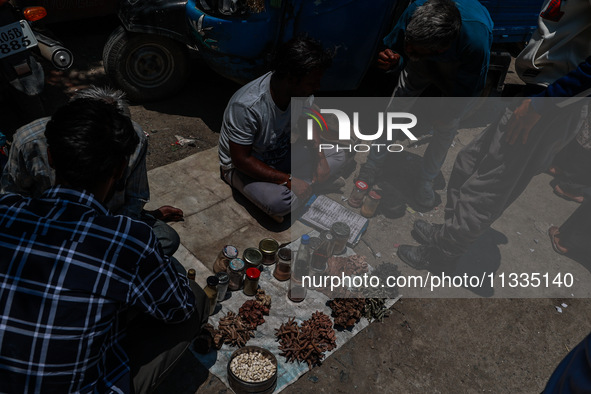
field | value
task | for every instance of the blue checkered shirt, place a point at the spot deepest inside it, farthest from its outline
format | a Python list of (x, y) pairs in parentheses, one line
[(68, 269)]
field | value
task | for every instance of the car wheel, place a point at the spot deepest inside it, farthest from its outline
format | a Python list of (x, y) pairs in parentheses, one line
[(146, 66)]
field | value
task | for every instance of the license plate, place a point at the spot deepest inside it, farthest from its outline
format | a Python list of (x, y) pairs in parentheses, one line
[(15, 38)]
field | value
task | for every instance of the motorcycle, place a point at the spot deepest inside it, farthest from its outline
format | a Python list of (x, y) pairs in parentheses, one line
[(21, 76)]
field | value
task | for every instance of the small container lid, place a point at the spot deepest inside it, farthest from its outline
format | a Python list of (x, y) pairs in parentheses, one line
[(253, 273), (341, 229), (315, 243), (284, 254), (223, 278), (230, 251), (361, 185), (305, 239), (236, 264), (374, 196), (252, 256), (328, 237), (212, 281), (268, 246)]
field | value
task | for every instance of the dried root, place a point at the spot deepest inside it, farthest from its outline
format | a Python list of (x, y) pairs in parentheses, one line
[(308, 342)]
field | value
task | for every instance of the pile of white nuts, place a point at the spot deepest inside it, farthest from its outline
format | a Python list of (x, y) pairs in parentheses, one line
[(252, 367)]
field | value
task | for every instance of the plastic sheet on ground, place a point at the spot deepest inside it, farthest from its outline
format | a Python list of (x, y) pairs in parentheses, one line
[(281, 310)]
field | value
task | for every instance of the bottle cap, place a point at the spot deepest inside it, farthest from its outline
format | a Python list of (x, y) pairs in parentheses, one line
[(284, 254), (305, 239), (223, 278), (212, 281), (252, 256), (374, 196), (361, 185), (237, 265), (253, 273), (230, 251), (268, 246)]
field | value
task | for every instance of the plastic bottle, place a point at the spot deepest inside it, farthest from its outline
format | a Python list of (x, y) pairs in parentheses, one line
[(300, 267)]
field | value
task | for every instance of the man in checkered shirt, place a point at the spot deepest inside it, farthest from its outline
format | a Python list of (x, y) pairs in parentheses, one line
[(88, 301)]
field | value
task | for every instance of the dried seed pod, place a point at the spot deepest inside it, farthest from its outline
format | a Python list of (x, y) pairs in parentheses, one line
[(263, 299), (252, 312), (347, 311), (308, 342), (232, 330)]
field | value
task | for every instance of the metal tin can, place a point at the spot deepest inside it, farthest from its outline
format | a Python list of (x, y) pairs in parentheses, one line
[(227, 254), (236, 272), (253, 258), (269, 248), (340, 232), (251, 282)]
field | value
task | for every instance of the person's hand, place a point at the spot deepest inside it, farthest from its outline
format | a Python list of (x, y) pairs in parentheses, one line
[(524, 118), (166, 213), (387, 59), (301, 189), (322, 170)]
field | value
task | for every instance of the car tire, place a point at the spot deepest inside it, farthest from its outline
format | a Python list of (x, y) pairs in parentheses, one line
[(146, 66)]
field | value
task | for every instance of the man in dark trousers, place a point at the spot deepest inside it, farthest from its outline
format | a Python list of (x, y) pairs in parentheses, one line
[(88, 299)]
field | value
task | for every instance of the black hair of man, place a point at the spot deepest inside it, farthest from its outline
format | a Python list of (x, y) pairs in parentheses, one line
[(88, 141), (300, 56), (434, 25)]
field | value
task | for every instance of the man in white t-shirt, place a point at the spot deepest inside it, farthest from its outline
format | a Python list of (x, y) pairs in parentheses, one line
[(254, 148)]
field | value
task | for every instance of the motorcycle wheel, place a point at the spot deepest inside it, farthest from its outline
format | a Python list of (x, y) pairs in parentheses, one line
[(146, 66)]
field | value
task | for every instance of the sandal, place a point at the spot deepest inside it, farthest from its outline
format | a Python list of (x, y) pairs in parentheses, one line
[(554, 233)]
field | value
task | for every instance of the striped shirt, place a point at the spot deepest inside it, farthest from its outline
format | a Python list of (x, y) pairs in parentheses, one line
[(67, 270)]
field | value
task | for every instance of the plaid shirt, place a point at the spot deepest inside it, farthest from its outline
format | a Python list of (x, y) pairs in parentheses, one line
[(28, 172), (67, 271)]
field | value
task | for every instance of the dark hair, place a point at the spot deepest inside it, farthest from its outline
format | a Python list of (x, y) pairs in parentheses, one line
[(299, 57), (434, 25), (88, 140)]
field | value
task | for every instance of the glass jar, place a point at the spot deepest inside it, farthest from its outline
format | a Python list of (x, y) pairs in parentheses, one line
[(251, 281), (253, 258), (370, 204), (191, 274), (224, 281), (340, 233), (283, 268), (321, 255), (269, 248), (211, 292), (359, 191), (227, 254), (236, 272)]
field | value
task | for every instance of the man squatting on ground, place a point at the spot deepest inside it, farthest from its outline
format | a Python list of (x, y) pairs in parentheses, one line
[(495, 168), (255, 150), (442, 43), (28, 172), (88, 299)]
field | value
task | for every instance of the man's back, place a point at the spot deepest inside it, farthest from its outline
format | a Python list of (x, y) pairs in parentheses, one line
[(67, 271)]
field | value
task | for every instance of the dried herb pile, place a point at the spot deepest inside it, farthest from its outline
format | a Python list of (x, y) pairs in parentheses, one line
[(308, 342)]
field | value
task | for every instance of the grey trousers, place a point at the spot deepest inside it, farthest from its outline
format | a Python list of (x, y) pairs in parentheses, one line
[(489, 174), (168, 237), (413, 80), (276, 199)]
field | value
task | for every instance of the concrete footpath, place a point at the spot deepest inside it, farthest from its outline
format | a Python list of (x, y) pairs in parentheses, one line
[(384, 356)]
